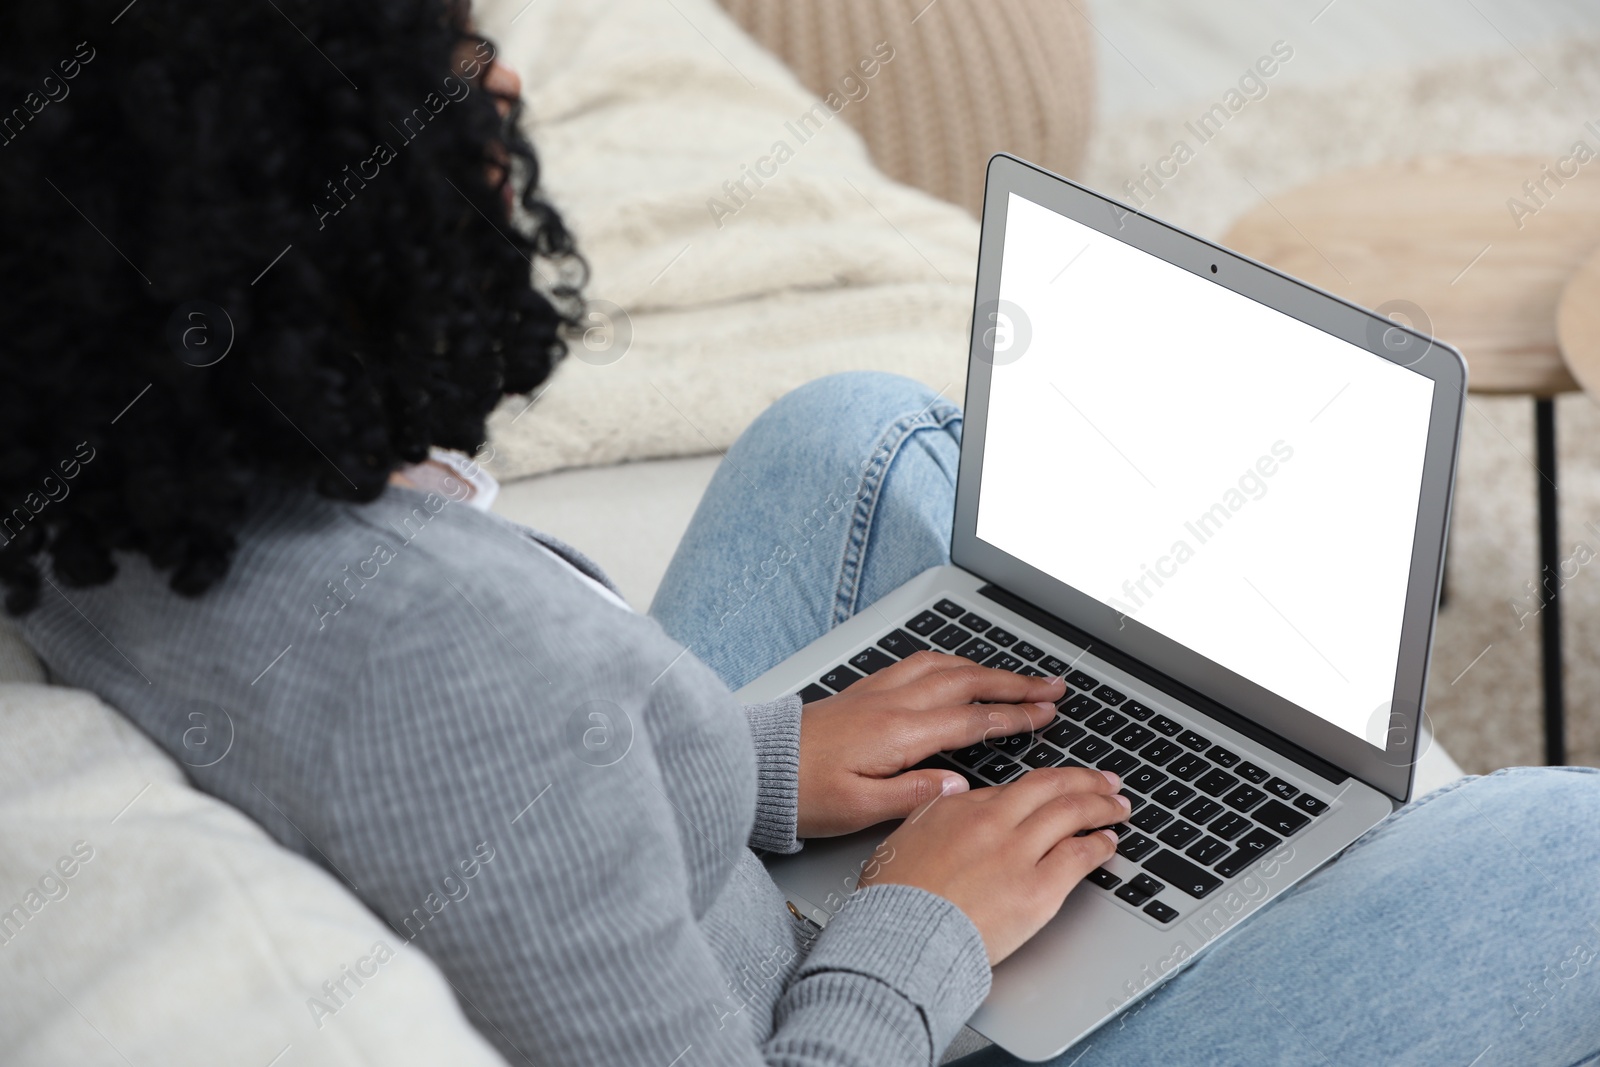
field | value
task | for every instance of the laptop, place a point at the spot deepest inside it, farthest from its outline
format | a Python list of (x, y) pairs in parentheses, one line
[(1214, 498)]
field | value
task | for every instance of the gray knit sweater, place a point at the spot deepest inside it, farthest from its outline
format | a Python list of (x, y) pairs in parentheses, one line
[(539, 788)]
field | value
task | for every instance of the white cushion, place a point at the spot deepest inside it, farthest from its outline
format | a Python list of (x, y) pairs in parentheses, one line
[(144, 922)]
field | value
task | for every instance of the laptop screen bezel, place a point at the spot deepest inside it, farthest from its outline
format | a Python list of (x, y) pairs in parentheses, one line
[(1390, 770)]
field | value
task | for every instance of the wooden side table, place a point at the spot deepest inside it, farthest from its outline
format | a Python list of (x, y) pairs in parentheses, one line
[(1475, 250)]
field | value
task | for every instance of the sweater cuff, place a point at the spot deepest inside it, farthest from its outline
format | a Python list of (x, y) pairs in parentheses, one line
[(918, 944), (775, 728)]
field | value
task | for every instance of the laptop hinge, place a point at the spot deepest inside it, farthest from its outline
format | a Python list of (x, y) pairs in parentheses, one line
[(1117, 658)]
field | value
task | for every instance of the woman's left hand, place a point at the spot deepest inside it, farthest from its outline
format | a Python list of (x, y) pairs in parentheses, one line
[(854, 746)]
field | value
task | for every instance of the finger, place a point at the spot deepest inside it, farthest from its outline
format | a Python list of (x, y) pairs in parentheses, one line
[(919, 665), (1037, 788), (946, 680), (1073, 857), (902, 795), (1067, 815), (945, 729)]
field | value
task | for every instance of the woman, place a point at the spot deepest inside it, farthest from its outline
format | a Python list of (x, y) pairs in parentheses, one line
[(260, 259)]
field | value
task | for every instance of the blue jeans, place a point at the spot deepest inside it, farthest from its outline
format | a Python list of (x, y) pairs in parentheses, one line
[(1462, 931)]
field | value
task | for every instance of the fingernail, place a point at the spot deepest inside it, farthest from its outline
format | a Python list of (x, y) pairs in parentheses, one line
[(1114, 779), (954, 783), (1126, 803), (1111, 834), (1045, 705)]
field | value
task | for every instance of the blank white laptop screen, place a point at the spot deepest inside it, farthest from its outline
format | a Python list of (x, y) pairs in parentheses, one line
[(1232, 478)]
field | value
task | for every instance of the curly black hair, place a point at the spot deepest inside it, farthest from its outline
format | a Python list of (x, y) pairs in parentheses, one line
[(316, 191)]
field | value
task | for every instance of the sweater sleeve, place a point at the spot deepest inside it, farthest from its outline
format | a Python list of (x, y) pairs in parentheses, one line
[(775, 729), (538, 853)]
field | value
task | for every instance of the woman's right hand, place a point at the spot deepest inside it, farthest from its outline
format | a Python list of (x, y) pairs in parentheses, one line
[(1007, 855)]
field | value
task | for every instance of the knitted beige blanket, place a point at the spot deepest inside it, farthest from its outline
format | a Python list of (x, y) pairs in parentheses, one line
[(741, 240)]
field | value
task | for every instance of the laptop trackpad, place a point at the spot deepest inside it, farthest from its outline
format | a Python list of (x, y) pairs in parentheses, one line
[(820, 878)]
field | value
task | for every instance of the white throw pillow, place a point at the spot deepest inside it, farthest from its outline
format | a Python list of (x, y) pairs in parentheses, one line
[(144, 922)]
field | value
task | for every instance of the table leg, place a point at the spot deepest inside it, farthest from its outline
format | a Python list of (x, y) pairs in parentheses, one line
[(1555, 741)]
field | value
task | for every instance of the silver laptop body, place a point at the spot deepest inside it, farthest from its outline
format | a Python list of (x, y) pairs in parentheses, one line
[(1217, 497)]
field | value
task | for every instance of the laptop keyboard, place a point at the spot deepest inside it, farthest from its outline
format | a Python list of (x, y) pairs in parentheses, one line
[(1200, 813)]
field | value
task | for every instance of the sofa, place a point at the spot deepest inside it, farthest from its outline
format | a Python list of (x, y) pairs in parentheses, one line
[(144, 922)]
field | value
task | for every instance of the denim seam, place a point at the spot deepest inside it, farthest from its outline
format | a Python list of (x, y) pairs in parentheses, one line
[(885, 450)]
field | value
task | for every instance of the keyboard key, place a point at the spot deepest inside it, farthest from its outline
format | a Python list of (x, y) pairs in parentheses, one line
[(870, 660), (1229, 826), (1201, 811), (1133, 736), (1110, 695), (1147, 884), (1259, 840), (1244, 798), (1102, 878), (1161, 913), (1003, 661), (975, 622), (1118, 762), (1181, 874), (1144, 779), (1062, 733), (1251, 773), (1207, 851), (1221, 756), (1079, 680), (1190, 739), (1172, 794), (899, 643), (950, 608), (1137, 710), (927, 623), (813, 692), (1151, 819), (1216, 783), (1309, 804), (998, 769), (1014, 745), (1055, 668), (1237, 862), (1003, 638), (1163, 725), (951, 636), (1282, 789), (977, 650), (973, 755), (1031, 672), (1135, 801), (1091, 748), (1187, 767), (1280, 818), (1160, 752), (1136, 847), (1106, 722), (1026, 651), (1079, 707), (1044, 756), (1178, 834), (840, 677), (1132, 894)]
